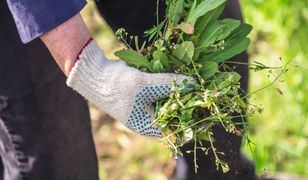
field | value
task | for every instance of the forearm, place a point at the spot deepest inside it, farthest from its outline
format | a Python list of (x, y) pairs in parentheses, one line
[(66, 41)]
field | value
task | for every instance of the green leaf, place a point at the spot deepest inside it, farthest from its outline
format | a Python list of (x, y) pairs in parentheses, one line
[(204, 136), (186, 48), (229, 26), (240, 32), (184, 52), (203, 8), (234, 44), (176, 8), (175, 63), (218, 30), (186, 98), (208, 18), (241, 102), (231, 49), (157, 66), (193, 6), (133, 58), (186, 115), (193, 103), (151, 33), (208, 69), (187, 28), (189, 107), (162, 57), (234, 77)]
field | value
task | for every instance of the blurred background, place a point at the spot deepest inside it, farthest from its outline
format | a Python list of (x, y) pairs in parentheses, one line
[(280, 133)]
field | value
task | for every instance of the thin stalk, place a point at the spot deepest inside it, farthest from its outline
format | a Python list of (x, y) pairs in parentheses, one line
[(273, 82), (201, 80), (218, 112), (157, 12), (245, 128), (212, 147), (251, 64), (195, 153), (174, 147), (196, 123)]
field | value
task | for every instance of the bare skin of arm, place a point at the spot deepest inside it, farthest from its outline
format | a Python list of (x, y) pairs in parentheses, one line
[(66, 41)]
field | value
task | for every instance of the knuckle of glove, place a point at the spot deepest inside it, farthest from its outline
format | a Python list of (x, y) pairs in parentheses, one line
[(140, 121), (142, 114), (154, 87)]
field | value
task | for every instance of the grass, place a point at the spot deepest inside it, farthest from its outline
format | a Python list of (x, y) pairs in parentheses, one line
[(280, 133)]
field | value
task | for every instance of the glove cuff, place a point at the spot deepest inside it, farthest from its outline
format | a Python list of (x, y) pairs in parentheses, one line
[(87, 43), (90, 62), (88, 77), (101, 81)]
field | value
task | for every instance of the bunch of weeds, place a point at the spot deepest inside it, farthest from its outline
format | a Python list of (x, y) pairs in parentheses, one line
[(191, 40)]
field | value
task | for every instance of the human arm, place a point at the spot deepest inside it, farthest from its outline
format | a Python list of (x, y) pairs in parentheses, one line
[(125, 93), (51, 20), (66, 41)]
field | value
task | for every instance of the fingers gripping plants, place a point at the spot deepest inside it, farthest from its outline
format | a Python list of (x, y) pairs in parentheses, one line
[(125, 93)]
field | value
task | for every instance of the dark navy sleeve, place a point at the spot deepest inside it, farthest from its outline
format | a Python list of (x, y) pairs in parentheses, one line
[(35, 17)]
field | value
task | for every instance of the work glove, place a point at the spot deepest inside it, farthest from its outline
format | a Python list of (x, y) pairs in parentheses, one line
[(125, 93)]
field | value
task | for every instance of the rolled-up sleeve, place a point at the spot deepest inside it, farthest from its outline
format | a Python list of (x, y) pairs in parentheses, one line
[(35, 17)]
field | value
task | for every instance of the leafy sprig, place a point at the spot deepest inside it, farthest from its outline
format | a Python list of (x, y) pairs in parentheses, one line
[(191, 40)]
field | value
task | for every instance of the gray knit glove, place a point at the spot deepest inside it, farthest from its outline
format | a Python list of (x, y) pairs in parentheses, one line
[(125, 93)]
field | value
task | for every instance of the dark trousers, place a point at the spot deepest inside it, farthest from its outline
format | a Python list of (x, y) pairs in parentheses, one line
[(45, 130), (139, 15)]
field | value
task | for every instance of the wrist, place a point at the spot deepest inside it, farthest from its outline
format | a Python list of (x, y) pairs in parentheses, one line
[(88, 64), (65, 42), (69, 64)]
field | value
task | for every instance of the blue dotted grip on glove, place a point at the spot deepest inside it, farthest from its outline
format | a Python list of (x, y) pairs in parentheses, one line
[(140, 119)]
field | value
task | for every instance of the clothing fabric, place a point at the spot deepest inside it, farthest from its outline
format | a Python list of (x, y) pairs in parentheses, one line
[(45, 130), (35, 17)]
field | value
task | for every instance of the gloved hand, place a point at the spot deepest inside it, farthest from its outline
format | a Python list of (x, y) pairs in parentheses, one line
[(125, 93)]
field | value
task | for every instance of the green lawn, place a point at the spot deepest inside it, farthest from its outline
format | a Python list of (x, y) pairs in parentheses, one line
[(281, 132)]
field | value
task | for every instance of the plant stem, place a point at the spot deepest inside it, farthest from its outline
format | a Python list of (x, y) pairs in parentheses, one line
[(284, 70), (157, 12), (201, 80), (174, 147), (213, 148), (251, 64), (196, 123), (195, 153)]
